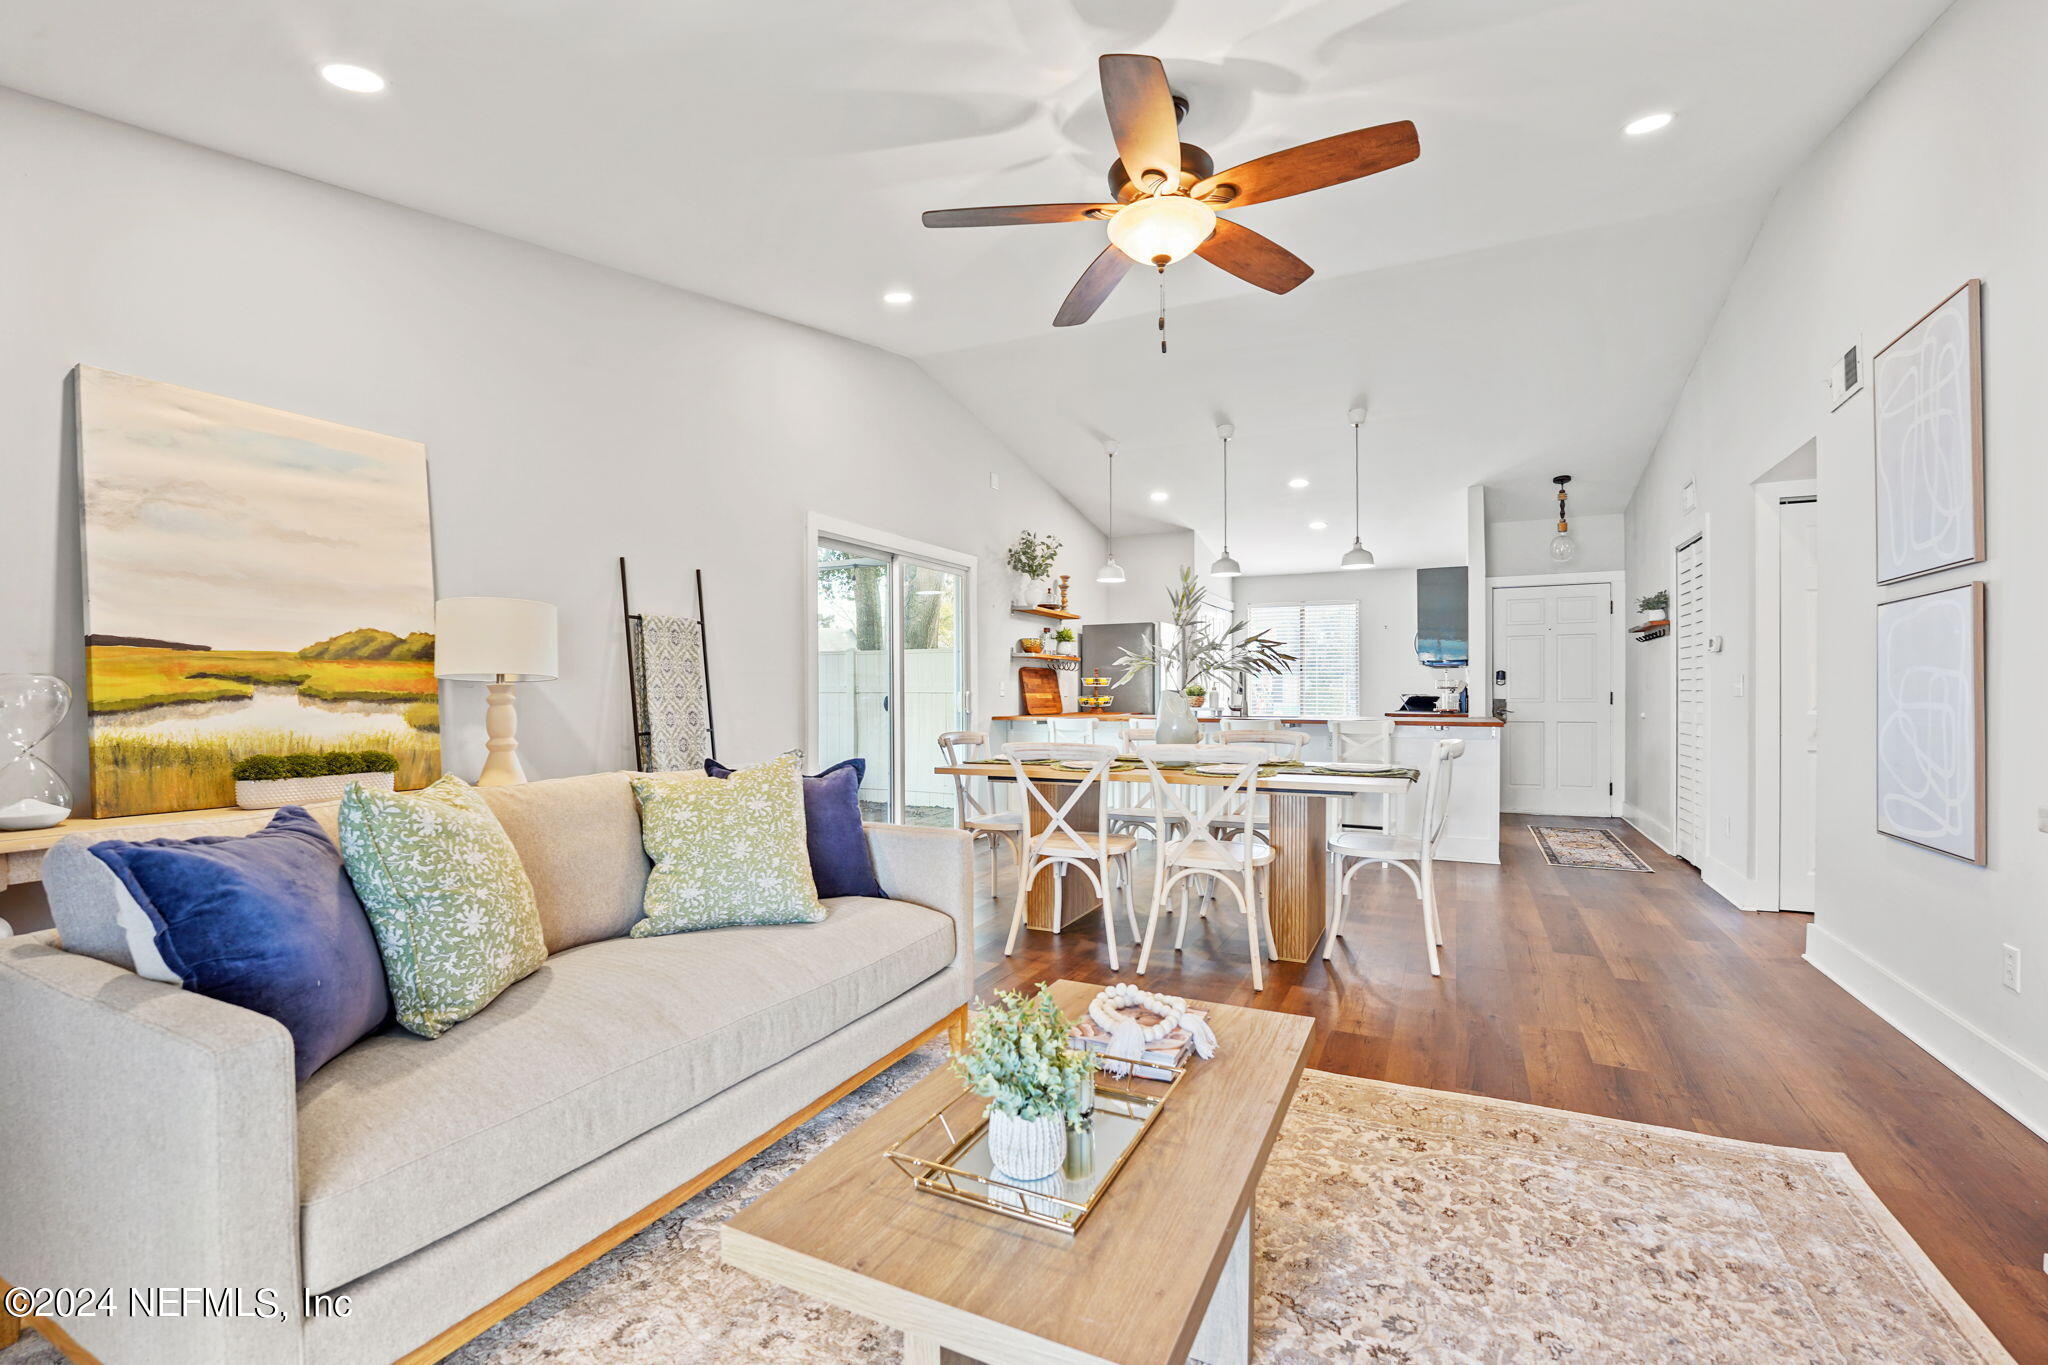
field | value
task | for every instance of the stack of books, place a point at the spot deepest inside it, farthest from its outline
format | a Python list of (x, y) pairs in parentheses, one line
[(1173, 1050)]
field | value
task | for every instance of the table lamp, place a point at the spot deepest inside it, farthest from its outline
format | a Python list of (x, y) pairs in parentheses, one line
[(501, 641)]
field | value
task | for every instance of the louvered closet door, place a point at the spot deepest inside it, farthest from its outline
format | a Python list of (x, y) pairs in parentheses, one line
[(1689, 629)]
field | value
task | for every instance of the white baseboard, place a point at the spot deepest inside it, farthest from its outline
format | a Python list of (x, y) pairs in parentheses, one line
[(1468, 848), (1731, 885), (1656, 831), (2008, 1080)]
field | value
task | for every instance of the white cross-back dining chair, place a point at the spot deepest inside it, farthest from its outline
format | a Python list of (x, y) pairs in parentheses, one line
[(1237, 864), (980, 818), (1271, 745), (1366, 739), (1414, 854), (1129, 807), (1098, 854)]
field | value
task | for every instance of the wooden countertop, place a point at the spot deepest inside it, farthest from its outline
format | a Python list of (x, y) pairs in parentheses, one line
[(1133, 715), (1442, 718)]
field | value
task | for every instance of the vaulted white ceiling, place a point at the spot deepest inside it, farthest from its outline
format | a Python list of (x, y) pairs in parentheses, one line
[(1522, 301)]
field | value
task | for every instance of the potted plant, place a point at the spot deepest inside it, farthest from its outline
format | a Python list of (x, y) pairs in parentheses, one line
[(1064, 638), (1019, 1059), (1031, 560), (1196, 655), (267, 781), (1196, 695)]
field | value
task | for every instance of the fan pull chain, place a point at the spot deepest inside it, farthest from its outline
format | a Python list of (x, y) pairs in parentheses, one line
[(1162, 309)]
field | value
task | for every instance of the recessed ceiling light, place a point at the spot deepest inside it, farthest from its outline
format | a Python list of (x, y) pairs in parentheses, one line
[(1648, 123), (357, 80), (1160, 495), (1319, 526), (898, 296), (1297, 483)]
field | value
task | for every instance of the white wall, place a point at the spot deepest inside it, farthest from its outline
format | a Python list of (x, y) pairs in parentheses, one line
[(1523, 547), (571, 414), (1152, 565), (1387, 666), (1937, 178)]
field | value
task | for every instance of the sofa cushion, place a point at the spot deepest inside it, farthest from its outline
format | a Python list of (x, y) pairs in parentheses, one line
[(834, 832), (579, 840), (402, 1141), (726, 852)]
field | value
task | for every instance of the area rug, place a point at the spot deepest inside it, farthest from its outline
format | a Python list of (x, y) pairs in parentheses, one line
[(1393, 1225), (1575, 846)]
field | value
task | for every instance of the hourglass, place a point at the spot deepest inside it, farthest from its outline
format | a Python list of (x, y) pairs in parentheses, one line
[(32, 706)]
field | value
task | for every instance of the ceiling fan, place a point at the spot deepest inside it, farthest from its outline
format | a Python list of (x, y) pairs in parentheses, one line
[(1167, 192)]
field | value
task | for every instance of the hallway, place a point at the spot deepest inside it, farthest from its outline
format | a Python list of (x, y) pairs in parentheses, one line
[(1638, 997)]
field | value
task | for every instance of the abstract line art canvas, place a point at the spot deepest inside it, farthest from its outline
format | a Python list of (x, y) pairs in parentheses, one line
[(1930, 720), (256, 582), (1929, 401)]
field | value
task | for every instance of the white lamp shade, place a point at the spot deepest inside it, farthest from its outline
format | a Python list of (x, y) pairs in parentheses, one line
[(493, 639)]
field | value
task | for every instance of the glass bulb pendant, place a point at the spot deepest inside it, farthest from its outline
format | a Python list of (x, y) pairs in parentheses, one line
[(32, 795)]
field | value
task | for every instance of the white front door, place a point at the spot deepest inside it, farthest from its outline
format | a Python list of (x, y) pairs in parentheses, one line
[(1554, 643), (1799, 700)]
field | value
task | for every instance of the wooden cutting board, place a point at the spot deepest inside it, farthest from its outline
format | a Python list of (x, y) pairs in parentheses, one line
[(1041, 691)]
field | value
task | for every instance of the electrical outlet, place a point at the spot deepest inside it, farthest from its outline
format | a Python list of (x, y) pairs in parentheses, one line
[(2009, 968), (995, 480)]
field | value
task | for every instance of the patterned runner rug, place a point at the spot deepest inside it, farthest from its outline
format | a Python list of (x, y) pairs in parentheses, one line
[(1575, 846), (1394, 1225)]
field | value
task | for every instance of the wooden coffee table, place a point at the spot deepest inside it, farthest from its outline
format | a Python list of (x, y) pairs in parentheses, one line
[(1160, 1271)]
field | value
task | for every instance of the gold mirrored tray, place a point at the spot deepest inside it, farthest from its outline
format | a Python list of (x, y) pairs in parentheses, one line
[(948, 1154)]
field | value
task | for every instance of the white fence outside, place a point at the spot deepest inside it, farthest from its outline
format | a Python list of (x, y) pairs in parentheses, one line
[(853, 722)]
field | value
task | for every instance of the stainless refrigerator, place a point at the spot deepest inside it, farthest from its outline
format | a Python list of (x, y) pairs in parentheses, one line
[(1103, 645)]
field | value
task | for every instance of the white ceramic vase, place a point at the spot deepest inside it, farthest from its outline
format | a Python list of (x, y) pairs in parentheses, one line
[(1024, 590), (1026, 1149), (1177, 723)]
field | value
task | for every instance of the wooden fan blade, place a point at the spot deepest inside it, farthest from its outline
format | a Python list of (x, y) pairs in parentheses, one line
[(1141, 114), (1010, 215), (1312, 165), (1101, 277), (1255, 259)]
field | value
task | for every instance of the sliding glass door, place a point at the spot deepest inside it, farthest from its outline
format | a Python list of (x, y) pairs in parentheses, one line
[(892, 674)]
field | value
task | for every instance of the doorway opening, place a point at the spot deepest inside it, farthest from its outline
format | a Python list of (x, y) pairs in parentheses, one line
[(1788, 620), (891, 666)]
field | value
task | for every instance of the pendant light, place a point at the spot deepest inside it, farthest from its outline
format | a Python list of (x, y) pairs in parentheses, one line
[(1111, 571), (1357, 557), (1563, 547), (1226, 567)]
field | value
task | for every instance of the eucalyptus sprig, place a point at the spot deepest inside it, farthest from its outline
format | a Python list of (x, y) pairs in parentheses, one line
[(1018, 1058), (1199, 655), (1034, 555)]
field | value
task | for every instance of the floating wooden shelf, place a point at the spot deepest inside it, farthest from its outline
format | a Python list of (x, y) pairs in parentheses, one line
[(1054, 612), (1054, 659)]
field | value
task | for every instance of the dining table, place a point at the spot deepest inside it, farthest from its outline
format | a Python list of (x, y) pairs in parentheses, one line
[(1297, 827)]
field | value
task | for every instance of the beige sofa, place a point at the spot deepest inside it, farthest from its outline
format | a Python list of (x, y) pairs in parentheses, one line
[(155, 1138)]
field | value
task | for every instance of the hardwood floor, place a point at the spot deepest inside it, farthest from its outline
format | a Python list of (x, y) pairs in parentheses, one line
[(1643, 997)]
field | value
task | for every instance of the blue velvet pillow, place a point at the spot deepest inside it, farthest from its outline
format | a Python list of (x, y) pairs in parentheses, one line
[(840, 862), (268, 921)]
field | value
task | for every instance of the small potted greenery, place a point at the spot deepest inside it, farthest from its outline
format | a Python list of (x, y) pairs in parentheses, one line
[(267, 781), (1037, 1086), (1031, 561), (1064, 638)]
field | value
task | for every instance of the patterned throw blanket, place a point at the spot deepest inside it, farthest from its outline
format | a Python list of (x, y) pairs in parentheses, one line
[(673, 701)]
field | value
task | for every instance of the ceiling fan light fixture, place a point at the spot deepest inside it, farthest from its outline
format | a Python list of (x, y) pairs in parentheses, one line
[(1162, 228)]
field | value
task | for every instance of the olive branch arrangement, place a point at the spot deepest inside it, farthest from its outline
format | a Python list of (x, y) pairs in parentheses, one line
[(1198, 655)]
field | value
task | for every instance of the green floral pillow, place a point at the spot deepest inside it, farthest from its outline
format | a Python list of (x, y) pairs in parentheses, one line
[(453, 912), (726, 851)]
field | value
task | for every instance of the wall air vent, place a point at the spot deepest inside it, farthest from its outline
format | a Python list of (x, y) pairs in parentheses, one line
[(1845, 376)]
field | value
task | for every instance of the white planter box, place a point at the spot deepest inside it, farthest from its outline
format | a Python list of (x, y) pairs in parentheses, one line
[(301, 791)]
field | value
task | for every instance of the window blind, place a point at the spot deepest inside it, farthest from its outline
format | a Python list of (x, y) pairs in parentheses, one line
[(1323, 638)]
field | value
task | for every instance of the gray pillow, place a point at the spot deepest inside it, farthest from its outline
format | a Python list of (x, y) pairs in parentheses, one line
[(95, 914)]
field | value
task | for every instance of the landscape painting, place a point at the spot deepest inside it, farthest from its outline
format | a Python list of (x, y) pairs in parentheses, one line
[(256, 582)]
